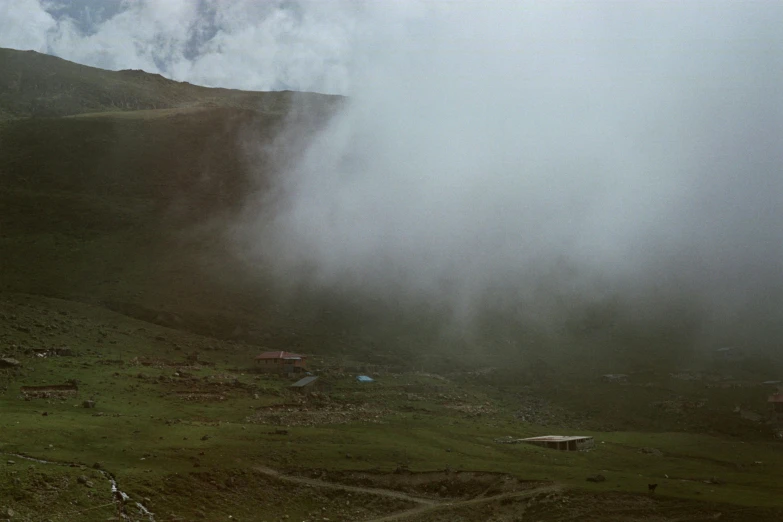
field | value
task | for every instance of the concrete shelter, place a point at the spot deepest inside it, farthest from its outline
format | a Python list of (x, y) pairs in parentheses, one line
[(560, 442)]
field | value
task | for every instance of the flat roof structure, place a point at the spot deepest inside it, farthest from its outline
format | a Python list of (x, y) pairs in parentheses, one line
[(286, 356), (555, 438), (307, 381), (562, 442)]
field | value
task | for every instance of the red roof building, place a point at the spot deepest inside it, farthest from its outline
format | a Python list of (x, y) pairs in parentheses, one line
[(282, 362)]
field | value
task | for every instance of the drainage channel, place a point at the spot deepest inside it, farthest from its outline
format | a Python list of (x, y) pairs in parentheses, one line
[(120, 498)]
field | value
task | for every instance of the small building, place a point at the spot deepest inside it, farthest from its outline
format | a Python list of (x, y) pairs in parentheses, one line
[(776, 407), (560, 442), (364, 378), (282, 362), (310, 384)]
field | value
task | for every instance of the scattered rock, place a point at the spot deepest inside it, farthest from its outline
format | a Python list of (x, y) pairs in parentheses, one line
[(82, 479), (539, 411), (88, 404), (205, 437), (651, 451), (97, 465), (751, 415), (9, 362), (596, 478)]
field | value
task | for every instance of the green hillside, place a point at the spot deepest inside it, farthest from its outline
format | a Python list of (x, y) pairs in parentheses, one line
[(133, 209)]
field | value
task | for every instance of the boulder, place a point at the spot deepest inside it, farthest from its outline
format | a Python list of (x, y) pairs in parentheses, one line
[(9, 362)]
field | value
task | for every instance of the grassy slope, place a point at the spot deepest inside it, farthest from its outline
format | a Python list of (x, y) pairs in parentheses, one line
[(151, 439), (130, 209)]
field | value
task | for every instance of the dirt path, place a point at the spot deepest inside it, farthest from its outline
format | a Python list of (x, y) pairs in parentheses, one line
[(427, 505), (425, 510), (427, 502)]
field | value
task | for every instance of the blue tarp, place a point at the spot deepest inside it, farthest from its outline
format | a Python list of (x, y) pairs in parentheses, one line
[(364, 378)]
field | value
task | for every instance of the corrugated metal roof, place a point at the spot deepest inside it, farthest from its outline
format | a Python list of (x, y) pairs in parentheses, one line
[(281, 355), (301, 383), (556, 438)]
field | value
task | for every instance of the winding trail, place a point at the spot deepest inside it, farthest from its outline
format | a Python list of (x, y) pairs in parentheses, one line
[(445, 506), (353, 489), (426, 505)]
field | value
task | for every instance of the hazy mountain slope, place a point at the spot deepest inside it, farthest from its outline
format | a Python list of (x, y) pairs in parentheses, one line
[(130, 209), (134, 210)]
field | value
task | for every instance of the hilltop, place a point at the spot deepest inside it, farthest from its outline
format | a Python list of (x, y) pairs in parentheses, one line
[(42, 86)]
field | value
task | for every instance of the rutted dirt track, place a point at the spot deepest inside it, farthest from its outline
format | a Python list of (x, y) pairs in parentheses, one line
[(354, 489), (427, 505), (443, 506)]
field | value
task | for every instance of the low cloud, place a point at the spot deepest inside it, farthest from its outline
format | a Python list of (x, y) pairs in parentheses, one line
[(541, 157), (547, 160)]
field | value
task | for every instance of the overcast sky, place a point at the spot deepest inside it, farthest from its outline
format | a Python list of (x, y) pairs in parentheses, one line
[(638, 143), (250, 44)]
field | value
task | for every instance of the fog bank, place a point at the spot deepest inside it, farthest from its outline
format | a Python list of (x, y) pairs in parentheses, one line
[(547, 157)]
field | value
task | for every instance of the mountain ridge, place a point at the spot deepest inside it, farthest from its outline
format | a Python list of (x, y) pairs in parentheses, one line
[(33, 84)]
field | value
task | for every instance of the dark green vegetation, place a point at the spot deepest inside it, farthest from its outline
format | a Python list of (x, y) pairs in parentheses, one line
[(118, 195)]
